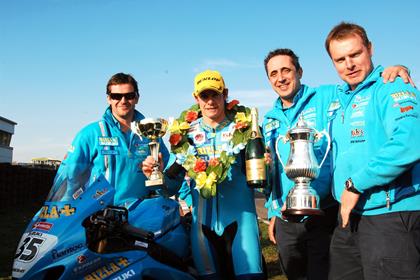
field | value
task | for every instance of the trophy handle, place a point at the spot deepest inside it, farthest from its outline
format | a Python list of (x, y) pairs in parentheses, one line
[(285, 139), (319, 136)]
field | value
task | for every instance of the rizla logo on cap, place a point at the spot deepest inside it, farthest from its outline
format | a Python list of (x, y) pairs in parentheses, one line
[(208, 80)]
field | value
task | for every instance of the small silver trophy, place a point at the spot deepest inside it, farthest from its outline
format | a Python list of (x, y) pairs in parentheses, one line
[(153, 129), (302, 167)]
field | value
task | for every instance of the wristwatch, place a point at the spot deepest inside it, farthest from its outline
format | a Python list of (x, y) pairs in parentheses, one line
[(350, 186)]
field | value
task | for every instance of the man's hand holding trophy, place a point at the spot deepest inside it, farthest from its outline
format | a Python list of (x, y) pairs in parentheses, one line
[(153, 129)]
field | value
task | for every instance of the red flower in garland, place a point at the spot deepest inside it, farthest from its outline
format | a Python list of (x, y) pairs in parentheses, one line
[(175, 139), (191, 116), (214, 162), (232, 104), (200, 165), (241, 125)]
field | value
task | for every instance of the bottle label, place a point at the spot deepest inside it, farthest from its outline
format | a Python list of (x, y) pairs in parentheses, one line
[(255, 169)]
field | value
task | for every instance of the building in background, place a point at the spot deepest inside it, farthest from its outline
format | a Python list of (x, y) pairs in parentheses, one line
[(46, 162), (7, 129)]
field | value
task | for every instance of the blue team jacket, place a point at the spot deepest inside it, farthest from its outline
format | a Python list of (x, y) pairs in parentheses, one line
[(233, 196), (234, 202), (376, 136), (312, 103), (102, 144)]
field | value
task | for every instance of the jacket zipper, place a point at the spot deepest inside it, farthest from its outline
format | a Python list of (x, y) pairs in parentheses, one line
[(217, 190), (388, 200)]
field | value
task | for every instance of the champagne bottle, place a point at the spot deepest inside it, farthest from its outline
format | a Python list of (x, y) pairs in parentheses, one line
[(256, 176)]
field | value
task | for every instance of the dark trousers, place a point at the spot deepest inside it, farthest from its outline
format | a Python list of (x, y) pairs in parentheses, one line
[(377, 247), (304, 247)]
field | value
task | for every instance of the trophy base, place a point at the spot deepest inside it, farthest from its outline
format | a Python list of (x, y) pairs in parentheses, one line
[(154, 182), (302, 200), (304, 212)]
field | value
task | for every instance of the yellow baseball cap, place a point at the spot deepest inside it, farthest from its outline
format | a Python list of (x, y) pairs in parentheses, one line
[(208, 80)]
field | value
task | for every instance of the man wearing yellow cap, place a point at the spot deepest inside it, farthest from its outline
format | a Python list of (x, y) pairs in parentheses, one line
[(224, 232)]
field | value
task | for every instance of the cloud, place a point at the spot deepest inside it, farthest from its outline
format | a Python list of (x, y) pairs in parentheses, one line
[(262, 99), (223, 63), (26, 153), (24, 150)]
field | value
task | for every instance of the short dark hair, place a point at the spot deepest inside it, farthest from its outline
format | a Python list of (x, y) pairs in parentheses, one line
[(288, 52), (122, 78), (343, 30)]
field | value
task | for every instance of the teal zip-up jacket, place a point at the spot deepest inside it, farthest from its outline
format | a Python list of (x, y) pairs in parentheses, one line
[(376, 138), (312, 103), (102, 148)]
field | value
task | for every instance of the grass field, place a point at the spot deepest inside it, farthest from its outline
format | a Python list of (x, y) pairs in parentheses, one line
[(14, 223), (270, 255)]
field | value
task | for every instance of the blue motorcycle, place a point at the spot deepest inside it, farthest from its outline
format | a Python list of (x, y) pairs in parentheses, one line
[(82, 236)]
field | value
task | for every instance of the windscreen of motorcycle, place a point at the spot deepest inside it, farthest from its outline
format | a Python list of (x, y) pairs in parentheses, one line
[(68, 184)]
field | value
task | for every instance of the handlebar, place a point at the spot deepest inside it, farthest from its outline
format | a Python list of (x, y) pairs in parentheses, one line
[(138, 232), (114, 219)]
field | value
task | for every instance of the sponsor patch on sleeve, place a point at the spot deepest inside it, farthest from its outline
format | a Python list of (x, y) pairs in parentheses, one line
[(406, 108), (271, 125), (333, 109), (403, 95), (226, 136), (108, 141), (110, 152), (199, 138), (334, 106)]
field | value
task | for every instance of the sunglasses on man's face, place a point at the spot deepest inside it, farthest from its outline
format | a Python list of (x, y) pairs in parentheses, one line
[(119, 96), (209, 94)]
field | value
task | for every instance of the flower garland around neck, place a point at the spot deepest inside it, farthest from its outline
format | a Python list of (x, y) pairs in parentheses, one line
[(207, 174)]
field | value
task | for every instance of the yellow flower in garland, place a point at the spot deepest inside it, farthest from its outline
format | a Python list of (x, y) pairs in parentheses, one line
[(177, 127), (206, 184), (240, 117), (184, 126), (200, 180), (242, 121), (174, 127), (208, 175)]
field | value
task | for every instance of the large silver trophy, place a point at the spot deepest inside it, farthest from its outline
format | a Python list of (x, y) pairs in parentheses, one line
[(153, 129), (302, 167)]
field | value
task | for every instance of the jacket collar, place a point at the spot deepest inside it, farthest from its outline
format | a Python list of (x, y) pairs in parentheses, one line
[(219, 127), (369, 80), (278, 112), (109, 117)]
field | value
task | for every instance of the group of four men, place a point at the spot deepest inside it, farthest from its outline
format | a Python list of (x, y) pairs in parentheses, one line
[(371, 176)]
